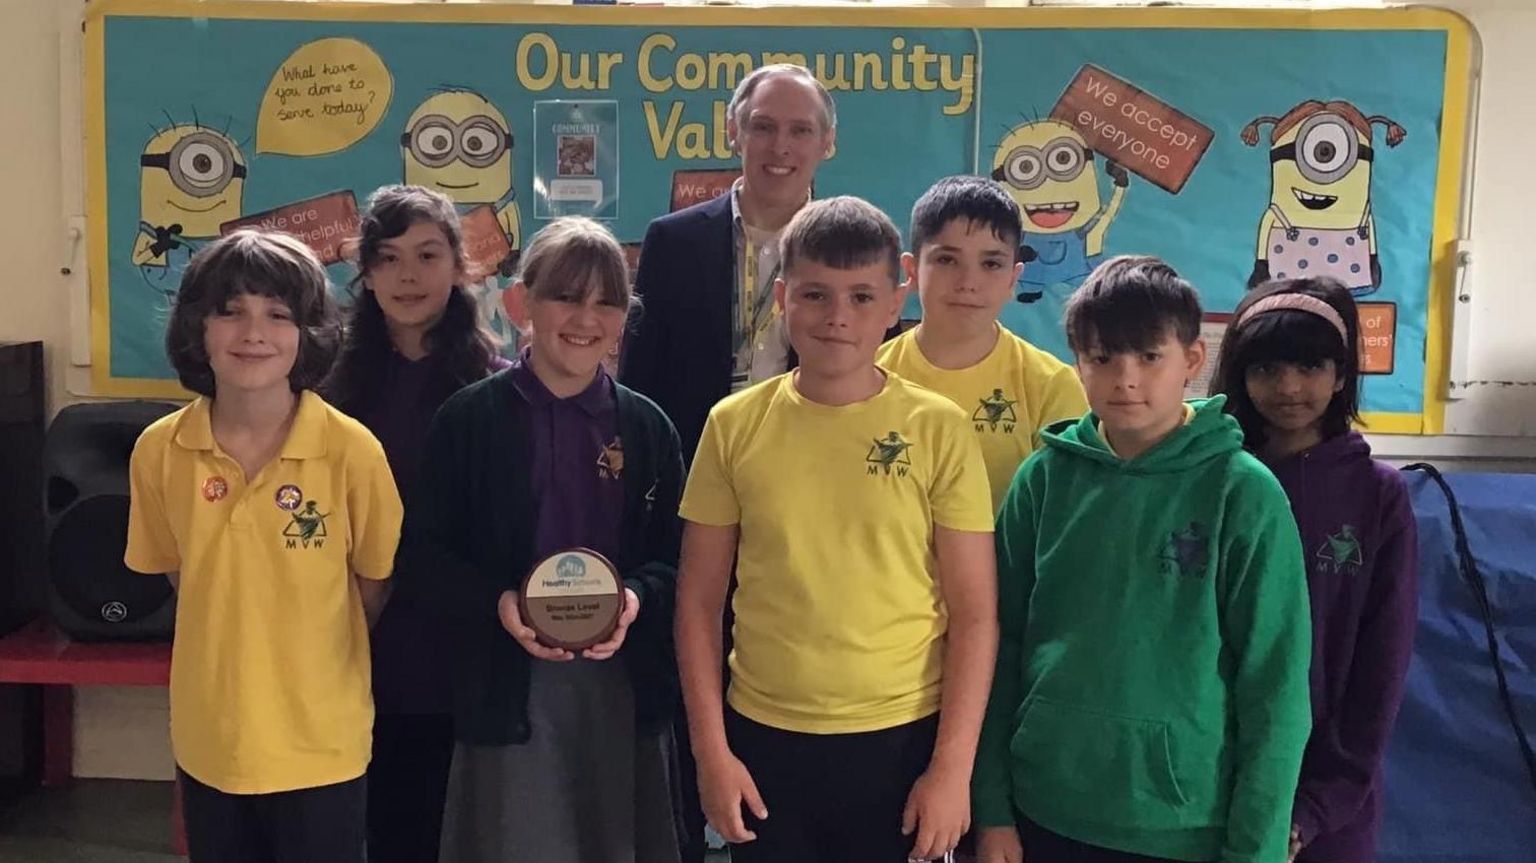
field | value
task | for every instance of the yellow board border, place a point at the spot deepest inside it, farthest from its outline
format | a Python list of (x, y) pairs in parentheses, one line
[(1460, 40)]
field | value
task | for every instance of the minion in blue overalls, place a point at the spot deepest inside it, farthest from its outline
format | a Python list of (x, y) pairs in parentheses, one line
[(1045, 165)]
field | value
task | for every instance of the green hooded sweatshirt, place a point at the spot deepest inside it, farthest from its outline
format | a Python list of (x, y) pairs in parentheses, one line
[(1151, 688)]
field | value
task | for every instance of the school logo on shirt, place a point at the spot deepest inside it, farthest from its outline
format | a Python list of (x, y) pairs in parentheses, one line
[(306, 527), (998, 409), (610, 460), (1187, 551), (1340, 552), (889, 455)]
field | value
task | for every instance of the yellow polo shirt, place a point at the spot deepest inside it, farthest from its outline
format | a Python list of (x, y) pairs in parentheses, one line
[(840, 623), (270, 674), (1011, 396)]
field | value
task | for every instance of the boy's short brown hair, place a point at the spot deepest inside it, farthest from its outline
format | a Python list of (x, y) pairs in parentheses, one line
[(267, 265), (843, 232), (1128, 304)]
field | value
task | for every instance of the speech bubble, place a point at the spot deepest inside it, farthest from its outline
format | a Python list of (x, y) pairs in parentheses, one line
[(327, 96)]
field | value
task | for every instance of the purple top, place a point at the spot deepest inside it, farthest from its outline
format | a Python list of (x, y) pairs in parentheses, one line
[(577, 464), (397, 417), (409, 651), (410, 391), (1361, 547)]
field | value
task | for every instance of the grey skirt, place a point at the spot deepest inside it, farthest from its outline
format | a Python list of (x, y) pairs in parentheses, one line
[(585, 788)]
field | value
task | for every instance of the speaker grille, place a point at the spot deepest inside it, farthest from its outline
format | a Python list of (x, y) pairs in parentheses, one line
[(85, 555)]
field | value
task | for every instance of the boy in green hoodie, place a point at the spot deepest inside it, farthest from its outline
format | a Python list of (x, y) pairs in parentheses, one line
[(1150, 700)]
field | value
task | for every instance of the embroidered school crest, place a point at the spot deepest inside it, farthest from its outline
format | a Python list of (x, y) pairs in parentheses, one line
[(288, 498), (1340, 550), (889, 454), (1187, 551), (996, 409), (610, 461), (306, 527), (215, 489)]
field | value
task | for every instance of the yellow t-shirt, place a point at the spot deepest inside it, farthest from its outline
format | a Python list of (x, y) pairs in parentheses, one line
[(840, 624), (270, 674), (1010, 397)]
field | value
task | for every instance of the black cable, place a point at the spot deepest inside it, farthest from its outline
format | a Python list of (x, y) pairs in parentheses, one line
[(1474, 579)]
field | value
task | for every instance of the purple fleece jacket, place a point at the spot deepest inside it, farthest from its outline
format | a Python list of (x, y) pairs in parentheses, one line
[(1360, 543)]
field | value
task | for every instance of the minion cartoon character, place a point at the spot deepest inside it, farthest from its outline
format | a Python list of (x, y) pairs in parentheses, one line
[(1318, 222), (458, 143), (1047, 168), (191, 181)]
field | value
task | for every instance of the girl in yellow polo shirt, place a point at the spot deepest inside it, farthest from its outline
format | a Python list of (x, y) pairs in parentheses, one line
[(276, 518)]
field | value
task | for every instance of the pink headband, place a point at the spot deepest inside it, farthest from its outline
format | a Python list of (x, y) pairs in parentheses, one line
[(1300, 303)]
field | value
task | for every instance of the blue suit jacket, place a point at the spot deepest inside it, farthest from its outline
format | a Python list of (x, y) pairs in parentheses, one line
[(679, 351)]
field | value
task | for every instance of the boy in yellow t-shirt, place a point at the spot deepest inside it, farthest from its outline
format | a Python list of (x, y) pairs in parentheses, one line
[(276, 518), (854, 504), (965, 233)]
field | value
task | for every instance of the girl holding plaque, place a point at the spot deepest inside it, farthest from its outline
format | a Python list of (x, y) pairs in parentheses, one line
[(413, 339), (549, 503)]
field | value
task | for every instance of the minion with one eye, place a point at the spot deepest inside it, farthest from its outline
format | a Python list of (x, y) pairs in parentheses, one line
[(1047, 168), (191, 181), (458, 143), (1319, 222)]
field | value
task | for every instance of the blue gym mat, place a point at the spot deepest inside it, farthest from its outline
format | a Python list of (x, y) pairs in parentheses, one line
[(1458, 785)]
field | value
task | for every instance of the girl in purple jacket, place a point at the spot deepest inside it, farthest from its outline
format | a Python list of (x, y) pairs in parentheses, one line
[(1290, 369), (413, 339)]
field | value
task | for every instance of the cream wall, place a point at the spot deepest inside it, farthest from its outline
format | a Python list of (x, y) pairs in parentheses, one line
[(121, 732), (32, 302)]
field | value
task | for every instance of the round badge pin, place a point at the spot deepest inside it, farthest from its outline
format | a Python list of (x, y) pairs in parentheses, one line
[(288, 498), (215, 488)]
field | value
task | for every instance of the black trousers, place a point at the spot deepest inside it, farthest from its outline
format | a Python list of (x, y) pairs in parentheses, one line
[(830, 797), (308, 825), (408, 786)]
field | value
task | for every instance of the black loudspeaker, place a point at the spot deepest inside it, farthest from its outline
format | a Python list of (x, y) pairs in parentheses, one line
[(93, 596), (21, 483)]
